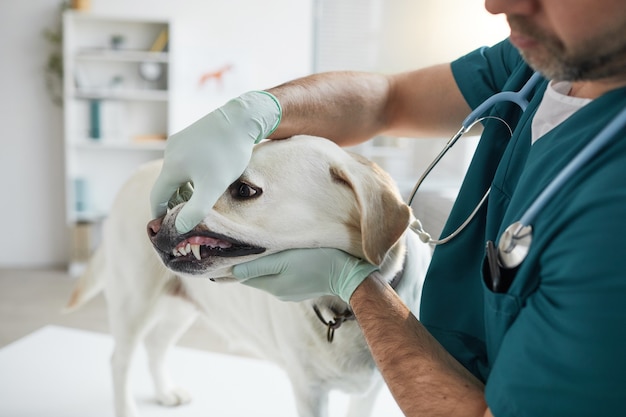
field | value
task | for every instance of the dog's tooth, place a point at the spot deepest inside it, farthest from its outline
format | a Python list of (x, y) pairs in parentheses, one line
[(188, 248), (175, 252), (196, 251)]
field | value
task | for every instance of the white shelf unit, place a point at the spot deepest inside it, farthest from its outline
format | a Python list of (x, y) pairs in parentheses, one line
[(115, 118)]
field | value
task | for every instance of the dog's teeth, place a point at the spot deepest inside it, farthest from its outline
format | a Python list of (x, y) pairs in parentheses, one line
[(196, 251), (175, 252)]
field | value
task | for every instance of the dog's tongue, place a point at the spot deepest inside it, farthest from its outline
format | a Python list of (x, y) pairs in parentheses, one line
[(205, 241), (194, 243)]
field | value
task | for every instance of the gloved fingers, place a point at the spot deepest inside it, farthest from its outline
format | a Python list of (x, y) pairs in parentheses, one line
[(275, 285), (162, 190), (302, 260), (353, 275), (197, 208), (266, 266), (261, 282)]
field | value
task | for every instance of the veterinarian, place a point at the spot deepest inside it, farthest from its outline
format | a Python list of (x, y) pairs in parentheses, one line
[(552, 342)]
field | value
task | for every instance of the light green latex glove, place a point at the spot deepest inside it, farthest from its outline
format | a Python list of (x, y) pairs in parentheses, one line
[(212, 153), (298, 274)]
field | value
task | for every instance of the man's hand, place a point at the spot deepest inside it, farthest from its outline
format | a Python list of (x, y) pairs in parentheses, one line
[(212, 153), (298, 274)]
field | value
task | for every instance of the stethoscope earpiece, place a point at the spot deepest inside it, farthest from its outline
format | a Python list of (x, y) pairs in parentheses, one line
[(416, 226)]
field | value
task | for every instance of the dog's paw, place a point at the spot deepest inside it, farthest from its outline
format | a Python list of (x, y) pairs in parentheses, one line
[(174, 397)]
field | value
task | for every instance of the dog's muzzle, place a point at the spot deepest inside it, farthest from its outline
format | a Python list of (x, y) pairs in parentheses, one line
[(194, 252)]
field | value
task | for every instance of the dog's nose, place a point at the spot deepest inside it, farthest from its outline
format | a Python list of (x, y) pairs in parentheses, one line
[(154, 226)]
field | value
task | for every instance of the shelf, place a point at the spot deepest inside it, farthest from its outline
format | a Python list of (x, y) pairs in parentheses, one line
[(108, 94), (108, 97), (104, 144), (90, 216), (121, 55)]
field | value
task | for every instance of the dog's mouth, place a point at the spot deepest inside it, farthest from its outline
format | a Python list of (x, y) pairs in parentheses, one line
[(199, 247), (196, 252)]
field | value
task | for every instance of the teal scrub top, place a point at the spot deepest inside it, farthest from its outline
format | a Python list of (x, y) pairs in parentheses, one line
[(555, 343)]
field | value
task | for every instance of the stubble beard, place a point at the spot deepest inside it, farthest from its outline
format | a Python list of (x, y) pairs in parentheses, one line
[(603, 57)]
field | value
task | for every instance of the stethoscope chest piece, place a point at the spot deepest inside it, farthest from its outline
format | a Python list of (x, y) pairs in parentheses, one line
[(514, 245)]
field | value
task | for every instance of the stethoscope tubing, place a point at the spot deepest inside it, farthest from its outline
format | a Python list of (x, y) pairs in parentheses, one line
[(590, 150), (521, 99), (515, 242)]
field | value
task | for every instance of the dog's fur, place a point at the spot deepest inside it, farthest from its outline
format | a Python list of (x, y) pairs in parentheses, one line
[(303, 192)]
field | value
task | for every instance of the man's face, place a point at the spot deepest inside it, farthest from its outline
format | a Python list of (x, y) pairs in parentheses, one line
[(570, 40)]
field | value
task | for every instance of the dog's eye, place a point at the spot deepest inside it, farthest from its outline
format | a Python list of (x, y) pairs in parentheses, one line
[(241, 190)]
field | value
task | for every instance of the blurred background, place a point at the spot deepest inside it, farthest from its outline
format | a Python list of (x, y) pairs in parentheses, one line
[(79, 112)]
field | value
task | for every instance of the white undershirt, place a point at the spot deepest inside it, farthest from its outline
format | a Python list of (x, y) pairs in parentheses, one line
[(555, 107)]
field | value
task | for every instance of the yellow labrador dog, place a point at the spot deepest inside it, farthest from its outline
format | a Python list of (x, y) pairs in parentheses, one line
[(303, 192)]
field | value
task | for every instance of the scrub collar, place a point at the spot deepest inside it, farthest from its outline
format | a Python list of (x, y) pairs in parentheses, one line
[(555, 107)]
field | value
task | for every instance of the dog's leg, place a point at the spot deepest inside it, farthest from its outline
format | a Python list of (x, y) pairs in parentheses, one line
[(126, 338), (129, 319), (362, 405), (311, 397), (176, 317)]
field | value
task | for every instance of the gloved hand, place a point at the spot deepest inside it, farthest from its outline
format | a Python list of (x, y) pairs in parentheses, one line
[(212, 153), (298, 274)]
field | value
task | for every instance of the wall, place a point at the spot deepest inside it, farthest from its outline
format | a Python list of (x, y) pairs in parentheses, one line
[(427, 32), (272, 37), (31, 172)]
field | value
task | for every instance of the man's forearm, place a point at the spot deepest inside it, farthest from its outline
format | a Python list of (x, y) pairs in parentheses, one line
[(346, 107), (351, 107), (424, 379)]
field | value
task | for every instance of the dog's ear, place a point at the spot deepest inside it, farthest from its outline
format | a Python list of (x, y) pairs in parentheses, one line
[(384, 216)]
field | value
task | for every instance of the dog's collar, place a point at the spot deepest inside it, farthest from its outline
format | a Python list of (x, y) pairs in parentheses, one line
[(339, 317)]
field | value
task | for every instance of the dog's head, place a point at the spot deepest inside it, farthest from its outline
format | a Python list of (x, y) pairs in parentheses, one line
[(303, 192)]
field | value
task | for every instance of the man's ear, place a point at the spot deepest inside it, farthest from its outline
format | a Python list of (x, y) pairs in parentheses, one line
[(384, 215)]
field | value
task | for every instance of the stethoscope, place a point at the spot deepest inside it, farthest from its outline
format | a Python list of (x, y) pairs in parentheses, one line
[(521, 99), (515, 241)]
